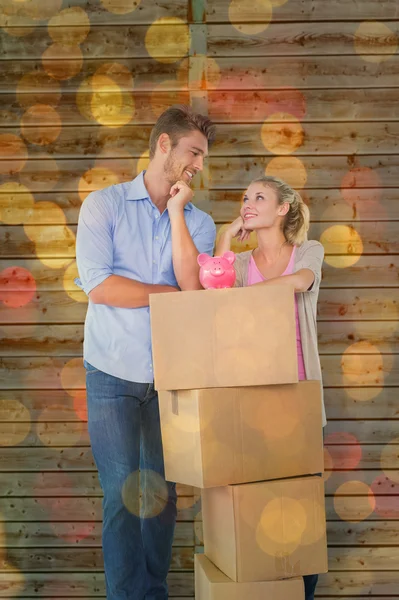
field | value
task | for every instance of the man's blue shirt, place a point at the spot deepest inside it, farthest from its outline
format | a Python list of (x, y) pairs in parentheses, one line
[(121, 232)]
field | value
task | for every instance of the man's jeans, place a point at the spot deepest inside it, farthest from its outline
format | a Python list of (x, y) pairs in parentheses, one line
[(310, 582), (138, 530)]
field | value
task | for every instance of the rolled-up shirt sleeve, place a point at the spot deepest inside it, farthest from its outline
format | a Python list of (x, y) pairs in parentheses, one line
[(312, 259), (205, 236), (94, 247)]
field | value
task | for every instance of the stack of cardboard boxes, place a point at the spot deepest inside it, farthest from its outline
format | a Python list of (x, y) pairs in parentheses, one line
[(237, 423)]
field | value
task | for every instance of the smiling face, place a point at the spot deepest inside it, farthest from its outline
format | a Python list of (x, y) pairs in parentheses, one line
[(186, 158), (260, 208)]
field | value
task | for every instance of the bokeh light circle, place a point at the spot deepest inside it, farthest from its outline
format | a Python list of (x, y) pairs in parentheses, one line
[(375, 42), (41, 124), (41, 10), (16, 203), (143, 162), (269, 530), (71, 289), (288, 168), (62, 62), (17, 287), (80, 404), (52, 241), (97, 178), (362, 365), (145, 493), (71, 26), (343, 246), (73, 376), (354, 501), (46, 213), (167, 40), (14, 432), (282, 133), (242, 13)]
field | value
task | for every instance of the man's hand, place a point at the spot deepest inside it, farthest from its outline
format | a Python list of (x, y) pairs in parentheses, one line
[(180, 195)]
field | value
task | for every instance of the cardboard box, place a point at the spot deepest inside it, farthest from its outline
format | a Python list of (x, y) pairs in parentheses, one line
[(224, 338), (216, 437), (212, 584), (268, 530)]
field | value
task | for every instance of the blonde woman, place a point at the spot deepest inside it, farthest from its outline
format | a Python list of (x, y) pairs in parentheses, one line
[(280, 219)]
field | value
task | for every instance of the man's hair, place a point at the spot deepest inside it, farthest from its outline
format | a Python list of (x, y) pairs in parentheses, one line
[(177, 121)]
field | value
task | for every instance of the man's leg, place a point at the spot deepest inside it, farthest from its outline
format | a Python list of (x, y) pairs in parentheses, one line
[(310, 582), (114, 428), (159, 502)]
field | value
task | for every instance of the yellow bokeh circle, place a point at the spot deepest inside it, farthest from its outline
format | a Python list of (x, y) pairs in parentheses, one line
[(269, 531), (343, 246), (375, 42), (62, 62), (73, 376), (250, 17), (41, 124), (145, 493), (14, 430), (288, 168), (102, 99), (282, 133), (97, 178), (71, 289), (16, 203), (143, 162), (70, 26), (354, 501), (52, 241), (168, 39), (46, 213), (362, 364)]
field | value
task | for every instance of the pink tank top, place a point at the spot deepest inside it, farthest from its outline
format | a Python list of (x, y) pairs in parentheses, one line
[(255, 276)]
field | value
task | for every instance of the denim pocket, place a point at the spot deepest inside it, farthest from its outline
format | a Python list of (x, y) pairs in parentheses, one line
[(89, 368)]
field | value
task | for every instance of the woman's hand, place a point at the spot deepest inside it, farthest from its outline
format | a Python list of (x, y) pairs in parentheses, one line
[(236, 230)]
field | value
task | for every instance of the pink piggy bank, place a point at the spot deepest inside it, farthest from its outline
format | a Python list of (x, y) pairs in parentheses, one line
[(217, 271)]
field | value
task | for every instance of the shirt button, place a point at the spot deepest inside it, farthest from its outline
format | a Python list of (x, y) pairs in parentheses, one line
[(154, 262), (156, 237)]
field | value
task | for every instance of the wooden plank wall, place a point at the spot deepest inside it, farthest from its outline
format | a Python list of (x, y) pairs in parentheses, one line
[(314, 97)]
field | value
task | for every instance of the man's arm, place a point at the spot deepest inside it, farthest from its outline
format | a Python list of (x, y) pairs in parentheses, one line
[(123, 292), (94, 255), (186, 249)]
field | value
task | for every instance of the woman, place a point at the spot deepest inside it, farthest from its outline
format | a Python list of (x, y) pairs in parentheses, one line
[(280, 219)]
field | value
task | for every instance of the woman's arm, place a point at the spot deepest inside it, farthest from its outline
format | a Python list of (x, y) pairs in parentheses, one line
[(302, 280)]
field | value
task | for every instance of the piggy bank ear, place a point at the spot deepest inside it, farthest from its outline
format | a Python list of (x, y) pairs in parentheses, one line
[(202, 258), (230, 257)]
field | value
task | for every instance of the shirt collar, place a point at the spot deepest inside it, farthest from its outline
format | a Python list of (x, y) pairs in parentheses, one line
[(138, 191)]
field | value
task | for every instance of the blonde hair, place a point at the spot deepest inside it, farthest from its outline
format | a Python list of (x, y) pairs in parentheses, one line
[(296, 222)]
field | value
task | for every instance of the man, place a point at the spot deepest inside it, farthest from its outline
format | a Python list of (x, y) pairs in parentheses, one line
[(135, 239)]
